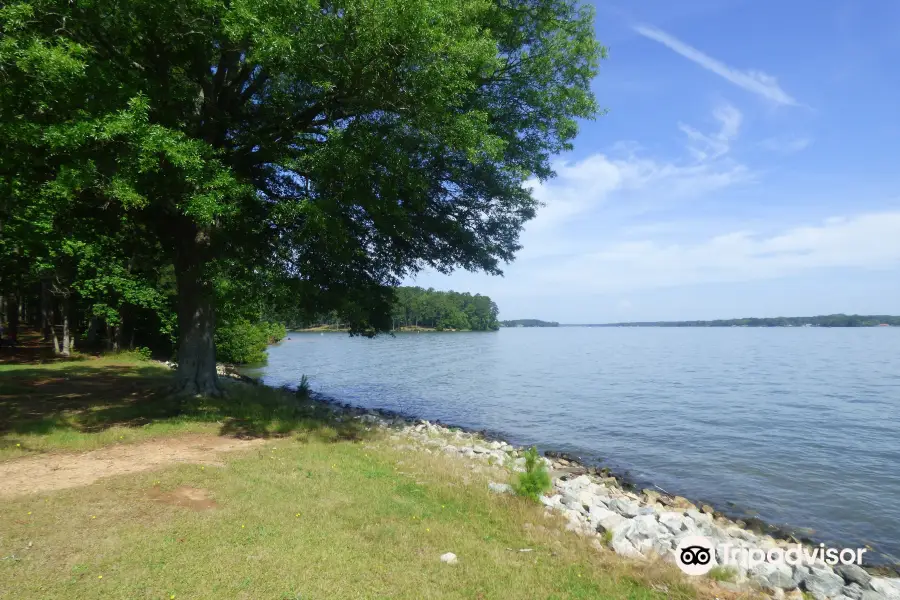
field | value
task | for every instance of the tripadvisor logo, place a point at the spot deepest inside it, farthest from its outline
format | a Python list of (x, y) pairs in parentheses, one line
[(696, 555)]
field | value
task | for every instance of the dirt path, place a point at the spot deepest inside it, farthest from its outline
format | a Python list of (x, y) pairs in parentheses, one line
[(59, 471)]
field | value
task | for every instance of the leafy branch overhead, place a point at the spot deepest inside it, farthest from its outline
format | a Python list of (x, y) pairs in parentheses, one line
[(312, 153)]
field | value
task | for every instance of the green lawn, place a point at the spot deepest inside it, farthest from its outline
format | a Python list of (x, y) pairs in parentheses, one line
[(326, 511)]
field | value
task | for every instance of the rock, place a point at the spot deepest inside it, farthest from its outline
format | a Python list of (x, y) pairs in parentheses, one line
[(495, 445), (624, 547), (500, 488), (778, 594), (883, 586), (683, 503), (449, 558), (651, 495), (479, 450), (823, 583), (624, 507), (549, 501), (853, 574), (872, 595), (706, 508), (673, 521), (794, 595), (853, 591), (773, 576), (608, 522)]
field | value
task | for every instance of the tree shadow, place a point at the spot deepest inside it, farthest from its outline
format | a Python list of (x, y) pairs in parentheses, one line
[(85, 398)]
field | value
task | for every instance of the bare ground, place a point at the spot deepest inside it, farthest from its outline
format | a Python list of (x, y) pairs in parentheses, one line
[(59, 471)]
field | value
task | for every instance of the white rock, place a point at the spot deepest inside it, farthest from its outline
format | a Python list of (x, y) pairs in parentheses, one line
[(500, 488), (495, 445), (675, 522), (449, 558), (887, 587)]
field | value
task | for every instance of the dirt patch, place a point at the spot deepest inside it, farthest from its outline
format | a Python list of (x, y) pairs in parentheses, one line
[(59, 471), (187, 497)]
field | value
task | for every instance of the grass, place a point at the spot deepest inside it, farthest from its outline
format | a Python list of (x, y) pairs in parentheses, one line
[(322, 512), (721, 573), (305, 520), (90, 403)]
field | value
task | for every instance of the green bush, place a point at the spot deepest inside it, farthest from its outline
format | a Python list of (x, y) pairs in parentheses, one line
[(535, 480), (243, 342)]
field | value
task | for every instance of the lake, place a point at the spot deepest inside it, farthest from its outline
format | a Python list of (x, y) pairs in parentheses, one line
[(799, 426)]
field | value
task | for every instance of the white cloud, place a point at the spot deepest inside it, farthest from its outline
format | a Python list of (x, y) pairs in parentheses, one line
[(862, 241), (785, 144), (586, 186), (705, 146), (753, 81)]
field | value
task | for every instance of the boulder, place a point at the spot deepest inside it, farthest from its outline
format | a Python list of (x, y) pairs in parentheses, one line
[(872, 595), (449, 558), (889, 590), (853, 591), (673, 521), (773, 576), (624, 507), (823, 583), (853, 574)]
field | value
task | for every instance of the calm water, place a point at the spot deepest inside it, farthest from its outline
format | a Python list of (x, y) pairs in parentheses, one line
[(798, 425)]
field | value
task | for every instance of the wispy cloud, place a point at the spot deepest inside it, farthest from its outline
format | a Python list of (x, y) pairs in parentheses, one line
[(757, 82), (708, 146), (785, 145)]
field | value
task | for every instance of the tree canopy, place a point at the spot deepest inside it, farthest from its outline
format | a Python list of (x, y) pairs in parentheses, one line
[(225, 156)]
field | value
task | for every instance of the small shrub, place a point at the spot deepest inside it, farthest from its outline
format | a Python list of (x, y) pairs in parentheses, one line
[(303, 387), (606, 538), (242, 342), (535, 480)]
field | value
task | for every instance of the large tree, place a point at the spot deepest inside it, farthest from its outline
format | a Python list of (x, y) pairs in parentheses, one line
[(316, 152)]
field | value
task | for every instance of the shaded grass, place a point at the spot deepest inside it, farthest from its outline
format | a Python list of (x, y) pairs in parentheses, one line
[(308, 520), (87, 404)]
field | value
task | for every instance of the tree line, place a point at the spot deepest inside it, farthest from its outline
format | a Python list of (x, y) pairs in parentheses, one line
[(528, 323), (170, 169), (839, 320), (418, 308)]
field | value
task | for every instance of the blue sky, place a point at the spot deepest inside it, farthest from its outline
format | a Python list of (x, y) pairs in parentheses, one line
[(748, 165)]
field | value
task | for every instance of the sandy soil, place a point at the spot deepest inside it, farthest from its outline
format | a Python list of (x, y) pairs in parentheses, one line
[(59, 471)]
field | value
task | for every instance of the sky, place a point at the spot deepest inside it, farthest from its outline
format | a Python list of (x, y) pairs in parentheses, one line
[(748, 164)]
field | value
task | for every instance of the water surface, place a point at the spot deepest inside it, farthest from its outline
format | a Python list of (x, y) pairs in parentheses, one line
[(798, 425)]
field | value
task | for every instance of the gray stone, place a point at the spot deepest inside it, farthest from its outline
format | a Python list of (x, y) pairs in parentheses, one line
[(500, 488), (872, 595), (610, 522), (853, 591), (495, 445), (673, 521), (773, 575), (449, 558), (624, 507), (624, 547), (887, 588), (549, 501), (823, 583), (853, 574)]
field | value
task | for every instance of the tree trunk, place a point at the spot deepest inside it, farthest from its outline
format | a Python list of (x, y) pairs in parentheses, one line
[(196, 327), (66, 342), (12, 314), (54, 337), (46, 311), (93, 326)]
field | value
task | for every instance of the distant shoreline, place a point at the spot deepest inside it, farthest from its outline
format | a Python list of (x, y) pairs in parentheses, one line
[(838, 320)]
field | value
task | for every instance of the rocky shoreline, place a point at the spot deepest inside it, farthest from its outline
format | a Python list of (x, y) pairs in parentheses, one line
[(645, 525), (640, 525)]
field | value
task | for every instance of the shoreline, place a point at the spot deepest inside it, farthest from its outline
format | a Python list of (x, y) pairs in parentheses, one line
[(564, 462), (642, 526)]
